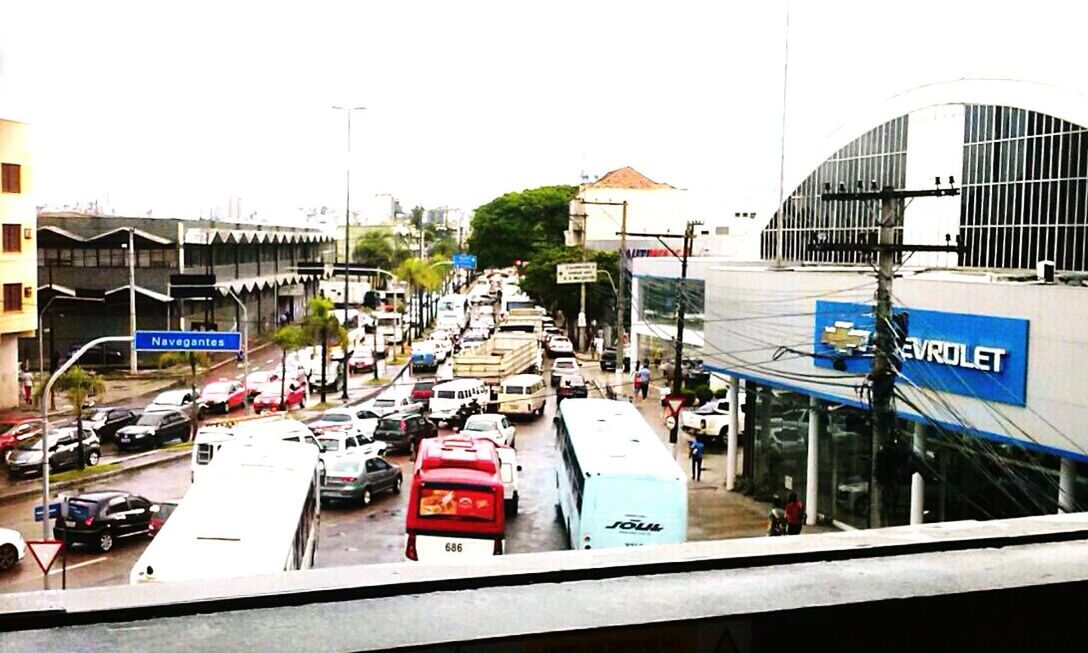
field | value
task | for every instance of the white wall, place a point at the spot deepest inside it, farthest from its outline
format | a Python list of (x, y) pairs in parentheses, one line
[(934, 149), (751, 312)]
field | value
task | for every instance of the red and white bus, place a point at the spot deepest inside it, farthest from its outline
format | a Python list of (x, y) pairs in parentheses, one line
[(455, 510)]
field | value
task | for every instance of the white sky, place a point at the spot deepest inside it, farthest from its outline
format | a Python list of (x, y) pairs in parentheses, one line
[(178, 105)]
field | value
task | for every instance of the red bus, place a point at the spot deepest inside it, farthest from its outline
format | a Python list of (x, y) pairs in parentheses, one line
[(455, 510)]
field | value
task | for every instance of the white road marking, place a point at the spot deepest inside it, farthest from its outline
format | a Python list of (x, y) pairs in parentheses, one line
[(77, 566), (270, 361)]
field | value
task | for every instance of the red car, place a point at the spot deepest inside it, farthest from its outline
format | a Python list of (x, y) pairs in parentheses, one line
[(14, 430), (223, 395), (160, 512), (271, 399), (361, 361), (422, 392), (258, 382)]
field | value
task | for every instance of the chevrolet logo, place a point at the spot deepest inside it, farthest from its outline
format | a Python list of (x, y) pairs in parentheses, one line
[(845, 338)]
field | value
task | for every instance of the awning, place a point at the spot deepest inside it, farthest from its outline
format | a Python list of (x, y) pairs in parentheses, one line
[(150, 294), (251, 284), (57, 288), (205, 236), (116, 236)]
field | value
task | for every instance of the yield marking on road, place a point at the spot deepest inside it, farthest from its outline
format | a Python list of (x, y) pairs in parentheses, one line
[(80, 564), (270, 361)]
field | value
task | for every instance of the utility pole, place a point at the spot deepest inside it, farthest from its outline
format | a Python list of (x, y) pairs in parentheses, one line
[(131, 301), (889, 332), (581, 220)]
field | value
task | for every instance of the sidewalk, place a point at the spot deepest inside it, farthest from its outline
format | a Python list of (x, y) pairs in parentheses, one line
[(713, 512)]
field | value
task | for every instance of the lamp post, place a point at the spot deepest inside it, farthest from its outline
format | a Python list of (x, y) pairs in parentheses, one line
[(394, 278), (132, 299), (347, 232), (245, 350)]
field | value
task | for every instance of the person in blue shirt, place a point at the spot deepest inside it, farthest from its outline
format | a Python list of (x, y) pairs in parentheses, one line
[(643, 379), (695, 452)]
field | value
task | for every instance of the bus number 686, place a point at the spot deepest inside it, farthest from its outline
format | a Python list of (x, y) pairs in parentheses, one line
[(453, 547)]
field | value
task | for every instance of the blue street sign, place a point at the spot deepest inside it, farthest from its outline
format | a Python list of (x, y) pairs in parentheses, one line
[(54, 511), (466, 261), (188, 341)]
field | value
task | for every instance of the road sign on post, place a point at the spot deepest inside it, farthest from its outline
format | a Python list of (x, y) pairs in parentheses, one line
[(54, 511), (674, 403), (465, 261), (576, 273), (188, 341), (44, 552)]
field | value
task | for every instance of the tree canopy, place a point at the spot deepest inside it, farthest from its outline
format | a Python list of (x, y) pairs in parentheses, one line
[(538, 281), (379, 248), (518, 225)]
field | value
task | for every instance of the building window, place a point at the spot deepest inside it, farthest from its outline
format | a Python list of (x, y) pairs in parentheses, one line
[(13, 297), (12, 241), (12, 174)]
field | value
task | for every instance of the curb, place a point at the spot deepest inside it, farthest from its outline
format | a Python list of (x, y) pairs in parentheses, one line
[(380, 389), (14, 495)]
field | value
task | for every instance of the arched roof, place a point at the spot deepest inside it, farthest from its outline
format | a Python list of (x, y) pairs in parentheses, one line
[(804, 155)]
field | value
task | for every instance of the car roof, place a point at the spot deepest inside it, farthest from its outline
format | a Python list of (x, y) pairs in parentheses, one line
[(459, 384), (171, 393), (522, 378)]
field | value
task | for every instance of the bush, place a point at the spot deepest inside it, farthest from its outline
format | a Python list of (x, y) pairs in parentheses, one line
[(703, 393), (171, 358), (689, 397), (721, 393)]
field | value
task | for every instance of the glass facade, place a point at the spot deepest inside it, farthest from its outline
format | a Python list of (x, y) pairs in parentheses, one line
[(657, 307), (1025, 189), (880, 156)]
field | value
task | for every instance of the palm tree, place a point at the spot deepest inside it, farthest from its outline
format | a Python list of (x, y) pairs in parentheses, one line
[(418, 274), (77, 384), (288, 339), (321, 325)]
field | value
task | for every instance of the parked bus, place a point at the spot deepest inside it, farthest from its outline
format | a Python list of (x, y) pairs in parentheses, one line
[(256, 510), (618, 483), (455, 509), (453, 309), (209, 439)]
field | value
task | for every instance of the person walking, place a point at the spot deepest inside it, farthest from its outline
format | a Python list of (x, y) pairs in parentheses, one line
[(644, 378), (776, 519), (598, 347), (636, 380), (26, 379), (795, 514), (695, 452)]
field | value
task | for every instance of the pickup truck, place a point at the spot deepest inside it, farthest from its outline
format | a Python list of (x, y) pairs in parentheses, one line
[(711, 420)]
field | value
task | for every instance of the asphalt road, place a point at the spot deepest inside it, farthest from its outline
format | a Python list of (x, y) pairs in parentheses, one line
[(351, 534)]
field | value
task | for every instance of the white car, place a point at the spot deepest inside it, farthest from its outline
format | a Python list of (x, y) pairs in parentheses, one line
[(442, 349), (12, 548), (562, 367), (491, 425), (173, 400), (560, 346), (389, 404), (357, 420), (711, 420), (340, 443)]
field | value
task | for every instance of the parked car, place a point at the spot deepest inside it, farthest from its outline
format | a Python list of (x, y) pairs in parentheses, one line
[(559, 346), (422, 391), (272, 400), (358, 477), (359, 420), (175, 400), (332, 375), (100, 354), (26, 460), (571, 386), (711, 420), (101, 518), (105, 422), (403, 431), (15, 430), (223, 395), (608, 360), (361, 361), (12, 548), (562, 367), (389, 404), (160, 512), (258, 382), (493, 426), (154, 429)]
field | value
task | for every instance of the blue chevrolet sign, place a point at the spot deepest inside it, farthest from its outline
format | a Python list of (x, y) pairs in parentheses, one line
[(188, 341), (961, 353), (466, 261)]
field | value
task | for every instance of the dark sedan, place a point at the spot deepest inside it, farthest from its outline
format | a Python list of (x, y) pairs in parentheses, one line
[(154, 429), (101, 518), (105, 422), (63, 451), (572, 386), (404, 431)]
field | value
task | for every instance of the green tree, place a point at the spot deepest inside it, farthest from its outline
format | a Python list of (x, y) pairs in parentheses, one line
[(379, 248), (420, 275), (288, 339), (415, 218), (517, 225), (538, 281), (322, 326), (77, 384)]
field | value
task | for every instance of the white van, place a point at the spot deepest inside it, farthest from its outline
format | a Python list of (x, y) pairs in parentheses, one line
[(447, 398), (274, 428), (523, 394)]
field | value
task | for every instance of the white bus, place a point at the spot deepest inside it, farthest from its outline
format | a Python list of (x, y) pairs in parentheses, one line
[(256, 510), (272, 428), (453, 309), (618, 483), (390, 326)]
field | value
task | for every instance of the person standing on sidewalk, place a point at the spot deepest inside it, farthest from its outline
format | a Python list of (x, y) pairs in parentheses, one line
[(636, 381), (695, 452), (644, 379), (795, 514), (26, 379), (598, 347)]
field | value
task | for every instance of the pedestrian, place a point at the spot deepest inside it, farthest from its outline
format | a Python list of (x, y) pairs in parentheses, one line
[(27, 381), (776, 519), (598, 347), (695, 452), (636, 380), (644, 378), (795, 514)]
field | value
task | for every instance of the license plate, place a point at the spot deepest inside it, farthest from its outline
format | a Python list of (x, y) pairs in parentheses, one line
[(70, 524)]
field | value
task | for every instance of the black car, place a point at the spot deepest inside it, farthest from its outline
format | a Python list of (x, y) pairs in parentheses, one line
[(404, 431), (154, 429), (63, 451), (572, 386), (102, 518), (100, 354), (608, 360), (105, 422)]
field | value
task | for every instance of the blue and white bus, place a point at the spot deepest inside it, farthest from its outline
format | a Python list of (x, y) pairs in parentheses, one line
[(618, 483), (453, 310)]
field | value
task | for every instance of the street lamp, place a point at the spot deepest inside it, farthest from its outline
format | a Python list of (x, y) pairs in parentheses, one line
[(347, 233), (131, 297)]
